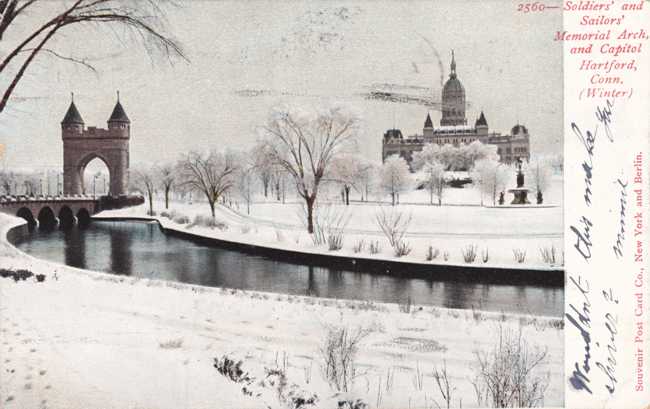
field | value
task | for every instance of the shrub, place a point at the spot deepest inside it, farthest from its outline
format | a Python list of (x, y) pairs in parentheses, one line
[(548, 255), (165, 215), (338, 354), (329, 226), (335, 240), (432, 253), (231, 369), (171, 344), (208, 221), (181, 219), (445, 255), (394, 225), (507, 375), (469, 253), (374, 247), (358, 246), (485, 255), (519, 255), (442, 381), (245, 228), (402, 248)]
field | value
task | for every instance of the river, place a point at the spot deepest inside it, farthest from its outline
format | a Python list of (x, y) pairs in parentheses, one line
[(144, 250)]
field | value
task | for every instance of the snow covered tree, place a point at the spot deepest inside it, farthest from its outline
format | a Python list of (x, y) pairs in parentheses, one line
[(144, 181), (305, 143), (211, 174), (394, 177), (538, 175), (492, 177), (430, 153), (367, 174), (470, 153), (347, 172), (246, 177), (449, 156), (435, 180)]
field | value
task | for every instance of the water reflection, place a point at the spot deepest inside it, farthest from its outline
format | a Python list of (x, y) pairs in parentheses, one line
[(141, 249)]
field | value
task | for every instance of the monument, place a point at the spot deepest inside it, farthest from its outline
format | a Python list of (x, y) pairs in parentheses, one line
[(520, 192)]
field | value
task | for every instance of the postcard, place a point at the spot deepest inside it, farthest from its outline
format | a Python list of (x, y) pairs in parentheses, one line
[(316, 204)]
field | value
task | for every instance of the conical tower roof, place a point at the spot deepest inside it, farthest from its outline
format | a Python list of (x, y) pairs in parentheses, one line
[(481, 121), (118, 114), (428, 123), (72, 116)]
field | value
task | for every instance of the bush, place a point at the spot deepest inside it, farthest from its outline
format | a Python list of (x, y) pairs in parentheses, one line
[(171, 344), (165, 214), (519, 255), (208, 221), (231, 369), (359, 246), (548, 255), (445, 256), (507, 375), (181, 219), (469, 253), (402, 248), (394, 225), (335, 240), (245, 228), (374, 247), (485, 255), (432, 253), (338, 353)]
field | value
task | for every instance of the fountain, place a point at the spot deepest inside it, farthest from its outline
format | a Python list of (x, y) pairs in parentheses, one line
[(520, 192)]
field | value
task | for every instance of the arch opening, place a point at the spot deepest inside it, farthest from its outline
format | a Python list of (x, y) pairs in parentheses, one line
[(95, 176), (46, 218), (27, 214), (83, 217), (66, 218)]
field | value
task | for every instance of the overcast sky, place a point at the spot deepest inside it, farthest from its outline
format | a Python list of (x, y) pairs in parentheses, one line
[(247, 56)]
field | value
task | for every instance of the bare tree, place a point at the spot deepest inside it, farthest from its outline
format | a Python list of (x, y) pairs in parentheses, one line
[(264, 167), (144, 180), (6, 181), (167, 174), (211, 174), (304, 144), (394, 177), (143, 19)]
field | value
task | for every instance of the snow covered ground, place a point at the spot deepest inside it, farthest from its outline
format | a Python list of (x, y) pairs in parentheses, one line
[(496, 232), (90, 340)]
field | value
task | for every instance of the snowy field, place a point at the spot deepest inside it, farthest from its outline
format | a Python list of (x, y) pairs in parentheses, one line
[(90, 340), (496, 233)]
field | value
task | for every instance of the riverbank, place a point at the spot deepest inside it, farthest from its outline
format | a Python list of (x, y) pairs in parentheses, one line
[(82, 339), (501, 256)]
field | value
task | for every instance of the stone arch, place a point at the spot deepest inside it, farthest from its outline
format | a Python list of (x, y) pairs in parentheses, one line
[(27, 214), (85, 161), (66, 217), (46, 218), (83, 217)]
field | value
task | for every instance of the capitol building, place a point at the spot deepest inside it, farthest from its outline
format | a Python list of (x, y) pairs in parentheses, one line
[(454, 129)]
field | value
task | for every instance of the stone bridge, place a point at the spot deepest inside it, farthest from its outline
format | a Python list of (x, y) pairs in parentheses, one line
[(48, 211)]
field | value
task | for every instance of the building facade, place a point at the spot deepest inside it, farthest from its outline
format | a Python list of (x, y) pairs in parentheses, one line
[(454, 130)]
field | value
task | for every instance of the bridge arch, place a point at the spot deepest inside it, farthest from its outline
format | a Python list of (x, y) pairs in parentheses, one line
[(66, 217), (27, 214), (83, 217), (46, 218)]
